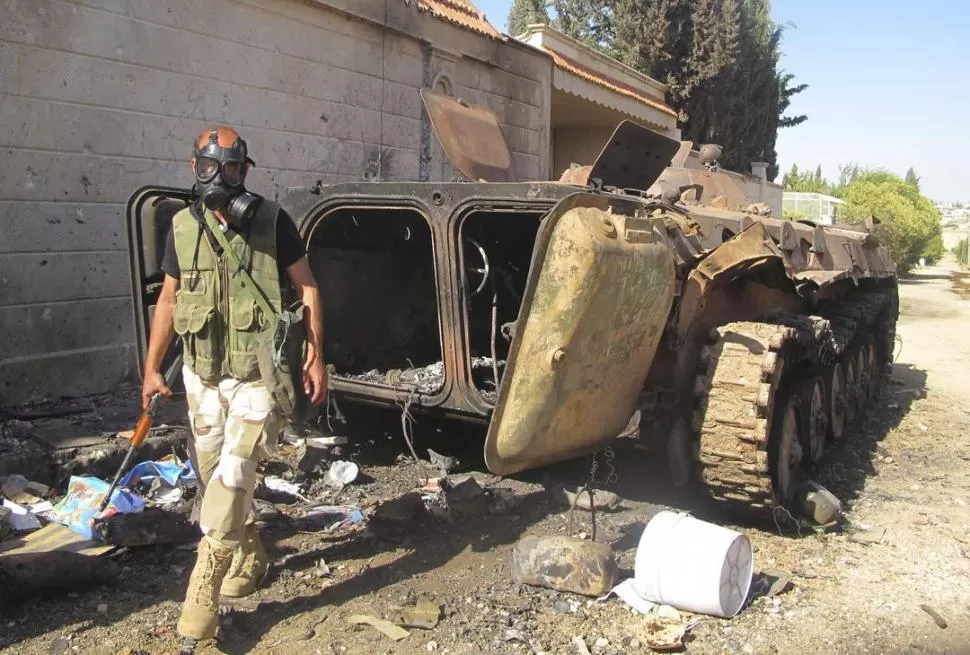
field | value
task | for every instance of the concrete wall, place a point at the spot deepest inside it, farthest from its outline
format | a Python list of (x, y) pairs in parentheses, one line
[(100, 97), (578, 145)]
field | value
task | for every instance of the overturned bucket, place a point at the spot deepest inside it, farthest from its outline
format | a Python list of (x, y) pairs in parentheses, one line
[(693, 565)]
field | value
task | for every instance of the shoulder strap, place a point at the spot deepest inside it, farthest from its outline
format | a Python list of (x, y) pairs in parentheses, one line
[(248, 283)]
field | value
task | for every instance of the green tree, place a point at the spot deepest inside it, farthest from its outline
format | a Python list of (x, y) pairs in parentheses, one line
[(934, 250), (590, 21), (960, 250), (795, 180), (908, 221), (718, 58), (526, 12), (912, 179)]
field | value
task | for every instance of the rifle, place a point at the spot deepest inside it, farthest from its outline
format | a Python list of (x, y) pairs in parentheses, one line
[(141, 430)]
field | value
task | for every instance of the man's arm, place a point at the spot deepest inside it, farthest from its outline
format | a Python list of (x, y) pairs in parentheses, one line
[(314, 375), (160, 336)]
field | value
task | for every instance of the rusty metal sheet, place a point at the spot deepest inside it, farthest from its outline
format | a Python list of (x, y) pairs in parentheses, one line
[(634, 157), (471, 137), (596, 302)]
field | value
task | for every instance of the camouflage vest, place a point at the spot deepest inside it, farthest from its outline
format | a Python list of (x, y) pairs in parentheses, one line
[(217, 319)]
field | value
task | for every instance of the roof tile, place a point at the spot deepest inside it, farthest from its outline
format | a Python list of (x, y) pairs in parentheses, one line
[(462, 13)]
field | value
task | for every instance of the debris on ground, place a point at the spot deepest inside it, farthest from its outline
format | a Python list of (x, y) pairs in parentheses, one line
[(691, 565), (939, 620), (466, 497), (385, 627), (603, 501), (819, 504), (425, 614), (342, 473), (565, 564), (23, 575)]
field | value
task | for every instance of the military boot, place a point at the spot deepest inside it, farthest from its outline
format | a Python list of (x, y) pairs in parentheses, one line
[(249, 565), (200, 611)]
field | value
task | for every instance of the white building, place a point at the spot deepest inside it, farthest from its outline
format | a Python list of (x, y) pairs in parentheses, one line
[(816, 207)]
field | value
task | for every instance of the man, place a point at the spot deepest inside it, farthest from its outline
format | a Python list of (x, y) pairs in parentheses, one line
[(234, 423)]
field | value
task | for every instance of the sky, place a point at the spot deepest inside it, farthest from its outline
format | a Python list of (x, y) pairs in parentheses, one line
[(889, 87)]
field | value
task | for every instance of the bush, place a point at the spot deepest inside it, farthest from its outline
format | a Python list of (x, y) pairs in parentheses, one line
[(909, 223)]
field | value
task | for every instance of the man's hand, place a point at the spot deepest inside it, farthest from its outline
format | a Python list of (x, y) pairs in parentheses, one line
[(159, 338), (314, 378), (154, 382), (314, 374)]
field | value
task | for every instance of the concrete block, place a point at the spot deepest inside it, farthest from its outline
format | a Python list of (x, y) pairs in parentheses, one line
[(9, 67), (402, 100), (511, 86), (69, 374), (403, 67), (45, 176), (47, 226), (290, 28), (527, 167), (62, 26), (524, 62), (50, 277), (339, 95), (521, 141), (51, 327), (468, 73), (401, 132), (397, 164)]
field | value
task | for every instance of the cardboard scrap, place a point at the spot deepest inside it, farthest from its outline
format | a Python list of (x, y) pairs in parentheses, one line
[(54, 536), (385, 627), (424, 614)]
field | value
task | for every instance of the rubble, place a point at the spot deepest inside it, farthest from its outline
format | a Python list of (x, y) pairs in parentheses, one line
[(151, 527), (565, 564), (602, 500), (23, 575), (466, 497), (819, 504)]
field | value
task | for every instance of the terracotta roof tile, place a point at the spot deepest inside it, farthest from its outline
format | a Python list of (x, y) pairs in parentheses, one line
[(588, 74), (462, 13)]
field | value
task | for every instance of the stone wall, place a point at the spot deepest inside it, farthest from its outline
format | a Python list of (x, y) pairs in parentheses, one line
[(101, 97)]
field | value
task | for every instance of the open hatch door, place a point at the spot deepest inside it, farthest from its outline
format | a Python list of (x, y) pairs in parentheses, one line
[(634, 157), (596, 302), (149, 217), (471, 137)]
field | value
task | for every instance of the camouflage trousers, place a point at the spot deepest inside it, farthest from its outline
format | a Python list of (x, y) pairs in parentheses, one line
[(233, 428)]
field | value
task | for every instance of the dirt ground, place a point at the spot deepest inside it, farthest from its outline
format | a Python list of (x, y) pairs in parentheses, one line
[(903, 477)]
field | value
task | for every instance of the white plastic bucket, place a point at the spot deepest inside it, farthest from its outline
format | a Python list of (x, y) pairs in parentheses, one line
[(693, 565)]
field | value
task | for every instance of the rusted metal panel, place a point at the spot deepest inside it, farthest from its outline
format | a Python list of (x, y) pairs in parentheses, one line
[(598, 297), (633, 157), (472, 138)]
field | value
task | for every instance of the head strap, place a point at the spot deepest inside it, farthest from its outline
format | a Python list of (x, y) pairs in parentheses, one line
[(238, 151)]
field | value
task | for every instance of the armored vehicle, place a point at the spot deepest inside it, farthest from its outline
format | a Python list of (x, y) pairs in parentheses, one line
[(634, 297)]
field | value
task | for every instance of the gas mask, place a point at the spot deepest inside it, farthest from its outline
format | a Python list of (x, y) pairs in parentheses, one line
[(220, 176)]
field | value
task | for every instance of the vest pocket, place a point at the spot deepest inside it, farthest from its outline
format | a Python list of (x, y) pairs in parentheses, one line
[(194, 283), (242, 314), (245, 319), (194, 324)]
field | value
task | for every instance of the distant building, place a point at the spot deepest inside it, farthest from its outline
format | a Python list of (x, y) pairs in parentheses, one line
[(816, 207)]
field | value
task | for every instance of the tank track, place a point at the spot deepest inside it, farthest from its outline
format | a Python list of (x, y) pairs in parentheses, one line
[(744, 370)]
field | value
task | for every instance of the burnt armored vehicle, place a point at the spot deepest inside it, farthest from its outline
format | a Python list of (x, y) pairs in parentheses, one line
[(635, 295)]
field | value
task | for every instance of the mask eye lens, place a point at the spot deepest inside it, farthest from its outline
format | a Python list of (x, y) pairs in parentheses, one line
[(232, 172), (206, 168)]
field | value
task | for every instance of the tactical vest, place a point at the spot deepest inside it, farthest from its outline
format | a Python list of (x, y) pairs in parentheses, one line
[(217, 319)]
